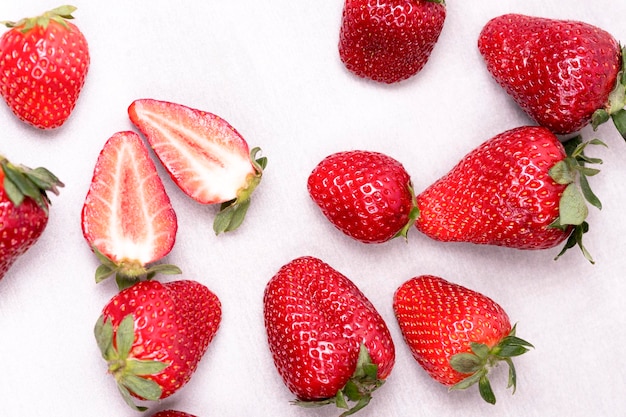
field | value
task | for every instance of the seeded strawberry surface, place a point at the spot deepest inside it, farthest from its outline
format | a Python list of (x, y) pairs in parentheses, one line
[(367, 195), (501, 193), (559, 71)]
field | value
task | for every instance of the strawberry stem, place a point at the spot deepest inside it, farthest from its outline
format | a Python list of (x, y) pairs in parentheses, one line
[(59, 14)]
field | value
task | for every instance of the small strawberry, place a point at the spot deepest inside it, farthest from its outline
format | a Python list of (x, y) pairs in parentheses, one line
[(564, 74), (43, 64), (328, 342), (205, 156), (153, 335), (172, 413), (127, 217), (389, 40), (366, 195), (457, 335), (518, 189), (23, 209)]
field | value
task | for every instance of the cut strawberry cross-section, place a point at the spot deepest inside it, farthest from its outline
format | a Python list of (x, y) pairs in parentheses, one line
[(127, 217), (205, 156)]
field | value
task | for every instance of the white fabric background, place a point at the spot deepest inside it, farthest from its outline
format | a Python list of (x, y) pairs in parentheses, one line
[(272, 70)]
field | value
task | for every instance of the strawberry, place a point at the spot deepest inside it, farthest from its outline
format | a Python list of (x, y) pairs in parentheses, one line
[(153, 335), (172, 413), (23, 209), (456, 334), (205, 156), (564, 74), (389, 40), (328, 342), (127, 217), (43, 64), (519, 189), (366, 195)]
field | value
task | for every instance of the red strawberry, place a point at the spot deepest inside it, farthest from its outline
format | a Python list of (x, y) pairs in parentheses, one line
[(328, 342), (563, 73), (127, 217), (23, 209), (153, 335), (457, 335), (172, 413), (205, 156), (43, 65), (517, 189), (389, 40), (366, 195)]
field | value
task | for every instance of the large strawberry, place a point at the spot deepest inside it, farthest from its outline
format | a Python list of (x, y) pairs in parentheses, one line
[(153, 335), (520, 189), (205, 156), (23, 209), (172, 413), (43, 64), (328, 342), (127, 217), (456, 334), (564, 74), (367, 195), (389, 40)]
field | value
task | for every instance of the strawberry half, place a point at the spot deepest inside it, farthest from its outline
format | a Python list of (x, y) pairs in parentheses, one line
[(389, 40), (43, 65), (366, 195), (23, 209), (520, 189), (153, 335), (127, 217), (328, 342), (205, 156), (456, 334), (563, 73)]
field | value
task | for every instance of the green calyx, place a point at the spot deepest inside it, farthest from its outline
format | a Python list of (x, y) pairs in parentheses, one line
[(21, 182), (573, 172), (129, 373), (413, 215), (233, 212), (128, 272), (358, 389), (59, 15), (615, 108), (482, 358)]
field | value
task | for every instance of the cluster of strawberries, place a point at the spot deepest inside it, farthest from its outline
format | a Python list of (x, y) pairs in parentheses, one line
[(521, 189)]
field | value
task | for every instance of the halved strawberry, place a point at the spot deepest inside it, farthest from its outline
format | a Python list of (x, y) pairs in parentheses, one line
[(127, 217), (205, 156)]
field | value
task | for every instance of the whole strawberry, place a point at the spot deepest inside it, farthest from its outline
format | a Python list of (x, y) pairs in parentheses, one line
[(127, 218), (43, 64), (457, 335), (564, 74), (153, 335), (204, 155), (23, 209), (366, 195), (328, 342), (172, 413), (389, 40), (519, 189)]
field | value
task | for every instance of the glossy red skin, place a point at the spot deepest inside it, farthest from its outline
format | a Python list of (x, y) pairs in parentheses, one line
[(174, 323), (366, 195), (130, 200), (390, 40), (439, 319), (560, 72), (20, 227), (42, 72), (316, 319), (172, 413), (501, 193)]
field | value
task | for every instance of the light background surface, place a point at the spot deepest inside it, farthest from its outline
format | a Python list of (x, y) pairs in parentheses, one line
[(271, 68)]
